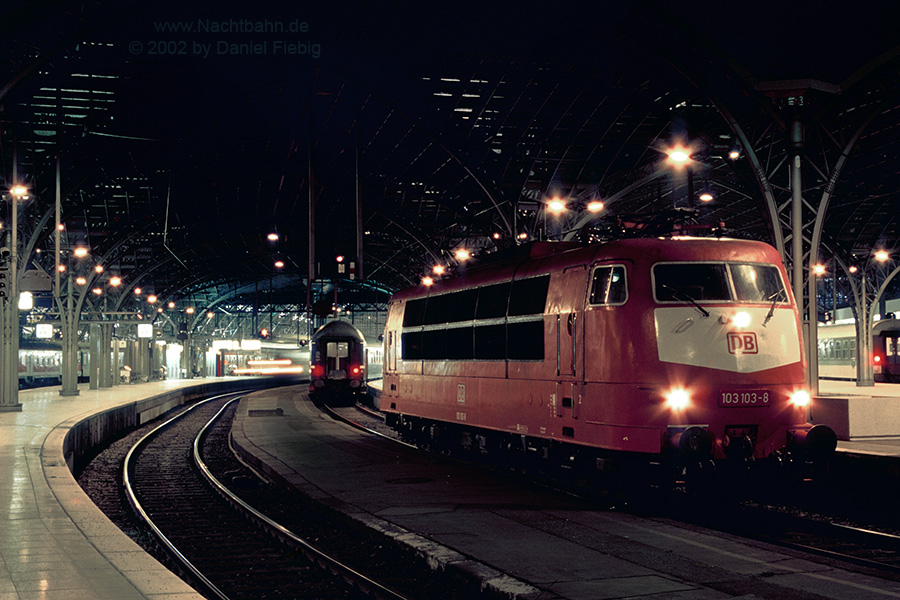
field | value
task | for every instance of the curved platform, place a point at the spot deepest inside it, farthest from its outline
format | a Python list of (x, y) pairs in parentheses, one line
[(54, 542), (515, 541)]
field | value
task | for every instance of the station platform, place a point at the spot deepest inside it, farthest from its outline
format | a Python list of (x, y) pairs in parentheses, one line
[(866, 419), (516, 541), (55, 544)]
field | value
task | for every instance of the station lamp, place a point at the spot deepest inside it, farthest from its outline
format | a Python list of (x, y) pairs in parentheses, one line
[(678, 156), (556, 206)]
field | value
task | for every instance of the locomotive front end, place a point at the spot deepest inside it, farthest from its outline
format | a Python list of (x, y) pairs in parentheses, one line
[(729, 343)]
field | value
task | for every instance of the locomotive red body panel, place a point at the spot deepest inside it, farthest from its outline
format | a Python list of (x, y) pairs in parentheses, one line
[(622, 346)]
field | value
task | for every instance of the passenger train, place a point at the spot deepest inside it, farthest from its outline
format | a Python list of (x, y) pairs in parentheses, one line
[(338, 362), (40, 363), (838, 355), (680, 352)]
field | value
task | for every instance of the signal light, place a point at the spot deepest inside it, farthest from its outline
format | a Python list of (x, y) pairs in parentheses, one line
[(263, 333)]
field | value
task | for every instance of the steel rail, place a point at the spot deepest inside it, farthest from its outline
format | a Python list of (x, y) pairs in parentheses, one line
[(316, 555)]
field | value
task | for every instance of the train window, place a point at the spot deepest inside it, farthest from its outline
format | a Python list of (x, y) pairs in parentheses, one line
[(436, 309), (459, 343), (338, 350), (414, 312), (490, 342), (492, 301), (529, 296), (434, 344), (757, 283), (526, 340), (411, 344), (679, 282), (451, 308), (608, 285)]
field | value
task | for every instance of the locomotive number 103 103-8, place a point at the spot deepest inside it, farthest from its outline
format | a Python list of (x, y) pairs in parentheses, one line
[(744, 398)]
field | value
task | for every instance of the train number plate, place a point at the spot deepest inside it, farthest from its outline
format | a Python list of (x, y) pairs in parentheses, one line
[(745, 398)]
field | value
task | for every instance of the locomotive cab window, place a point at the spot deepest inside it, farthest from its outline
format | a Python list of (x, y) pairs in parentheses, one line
[(608, 285), (722, 282)]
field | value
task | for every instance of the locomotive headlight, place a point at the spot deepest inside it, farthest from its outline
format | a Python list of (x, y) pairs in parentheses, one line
[(677, 399), (800, 398), (741, 319)]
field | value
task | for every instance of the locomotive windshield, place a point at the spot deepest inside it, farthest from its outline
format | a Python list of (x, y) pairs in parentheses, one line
[(726, 282)]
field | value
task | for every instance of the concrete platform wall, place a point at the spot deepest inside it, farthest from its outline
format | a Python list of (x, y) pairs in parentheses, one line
[(859, 417), (102, 427)]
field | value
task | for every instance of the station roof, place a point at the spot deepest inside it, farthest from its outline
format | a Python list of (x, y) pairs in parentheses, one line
[(188, 132)]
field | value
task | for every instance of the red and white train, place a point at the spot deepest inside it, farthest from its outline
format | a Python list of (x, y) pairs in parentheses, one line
[(659, 349)]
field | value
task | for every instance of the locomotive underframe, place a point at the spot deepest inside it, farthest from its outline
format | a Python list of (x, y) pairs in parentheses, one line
[(691, 465)]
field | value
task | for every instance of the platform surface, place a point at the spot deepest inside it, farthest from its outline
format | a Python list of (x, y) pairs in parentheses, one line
[(526, 542), (54, 543)]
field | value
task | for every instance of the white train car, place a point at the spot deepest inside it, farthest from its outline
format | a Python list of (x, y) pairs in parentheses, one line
[(838, 353)]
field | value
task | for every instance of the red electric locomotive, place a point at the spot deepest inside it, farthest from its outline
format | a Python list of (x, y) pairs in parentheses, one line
[(685, 348)]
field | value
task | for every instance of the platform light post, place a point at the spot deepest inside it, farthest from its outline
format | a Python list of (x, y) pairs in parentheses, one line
[(69, 319), (865, 310), (9, 310)]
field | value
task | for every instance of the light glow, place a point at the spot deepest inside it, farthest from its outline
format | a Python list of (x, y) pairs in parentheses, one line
[(272, 237), (706, 197), (19, 191), (678, 399), (741, 319), (800, 398), (462, 254), (80, 252), (269, 362), (678, 156), (556, 206), (438, 269), (151, 299), (819, 269), (595, 206), (115, 281), (81, 280), (882, 255), (427, 281), (268, 370)]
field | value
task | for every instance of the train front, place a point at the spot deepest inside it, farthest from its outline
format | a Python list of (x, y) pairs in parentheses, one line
[(729, 344), (337, 361)]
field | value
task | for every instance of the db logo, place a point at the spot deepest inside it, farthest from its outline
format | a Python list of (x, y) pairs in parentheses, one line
[(742, 343)]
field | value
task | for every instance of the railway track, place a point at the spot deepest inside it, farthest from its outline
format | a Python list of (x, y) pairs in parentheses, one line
[(796, 526), (213, 535)]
